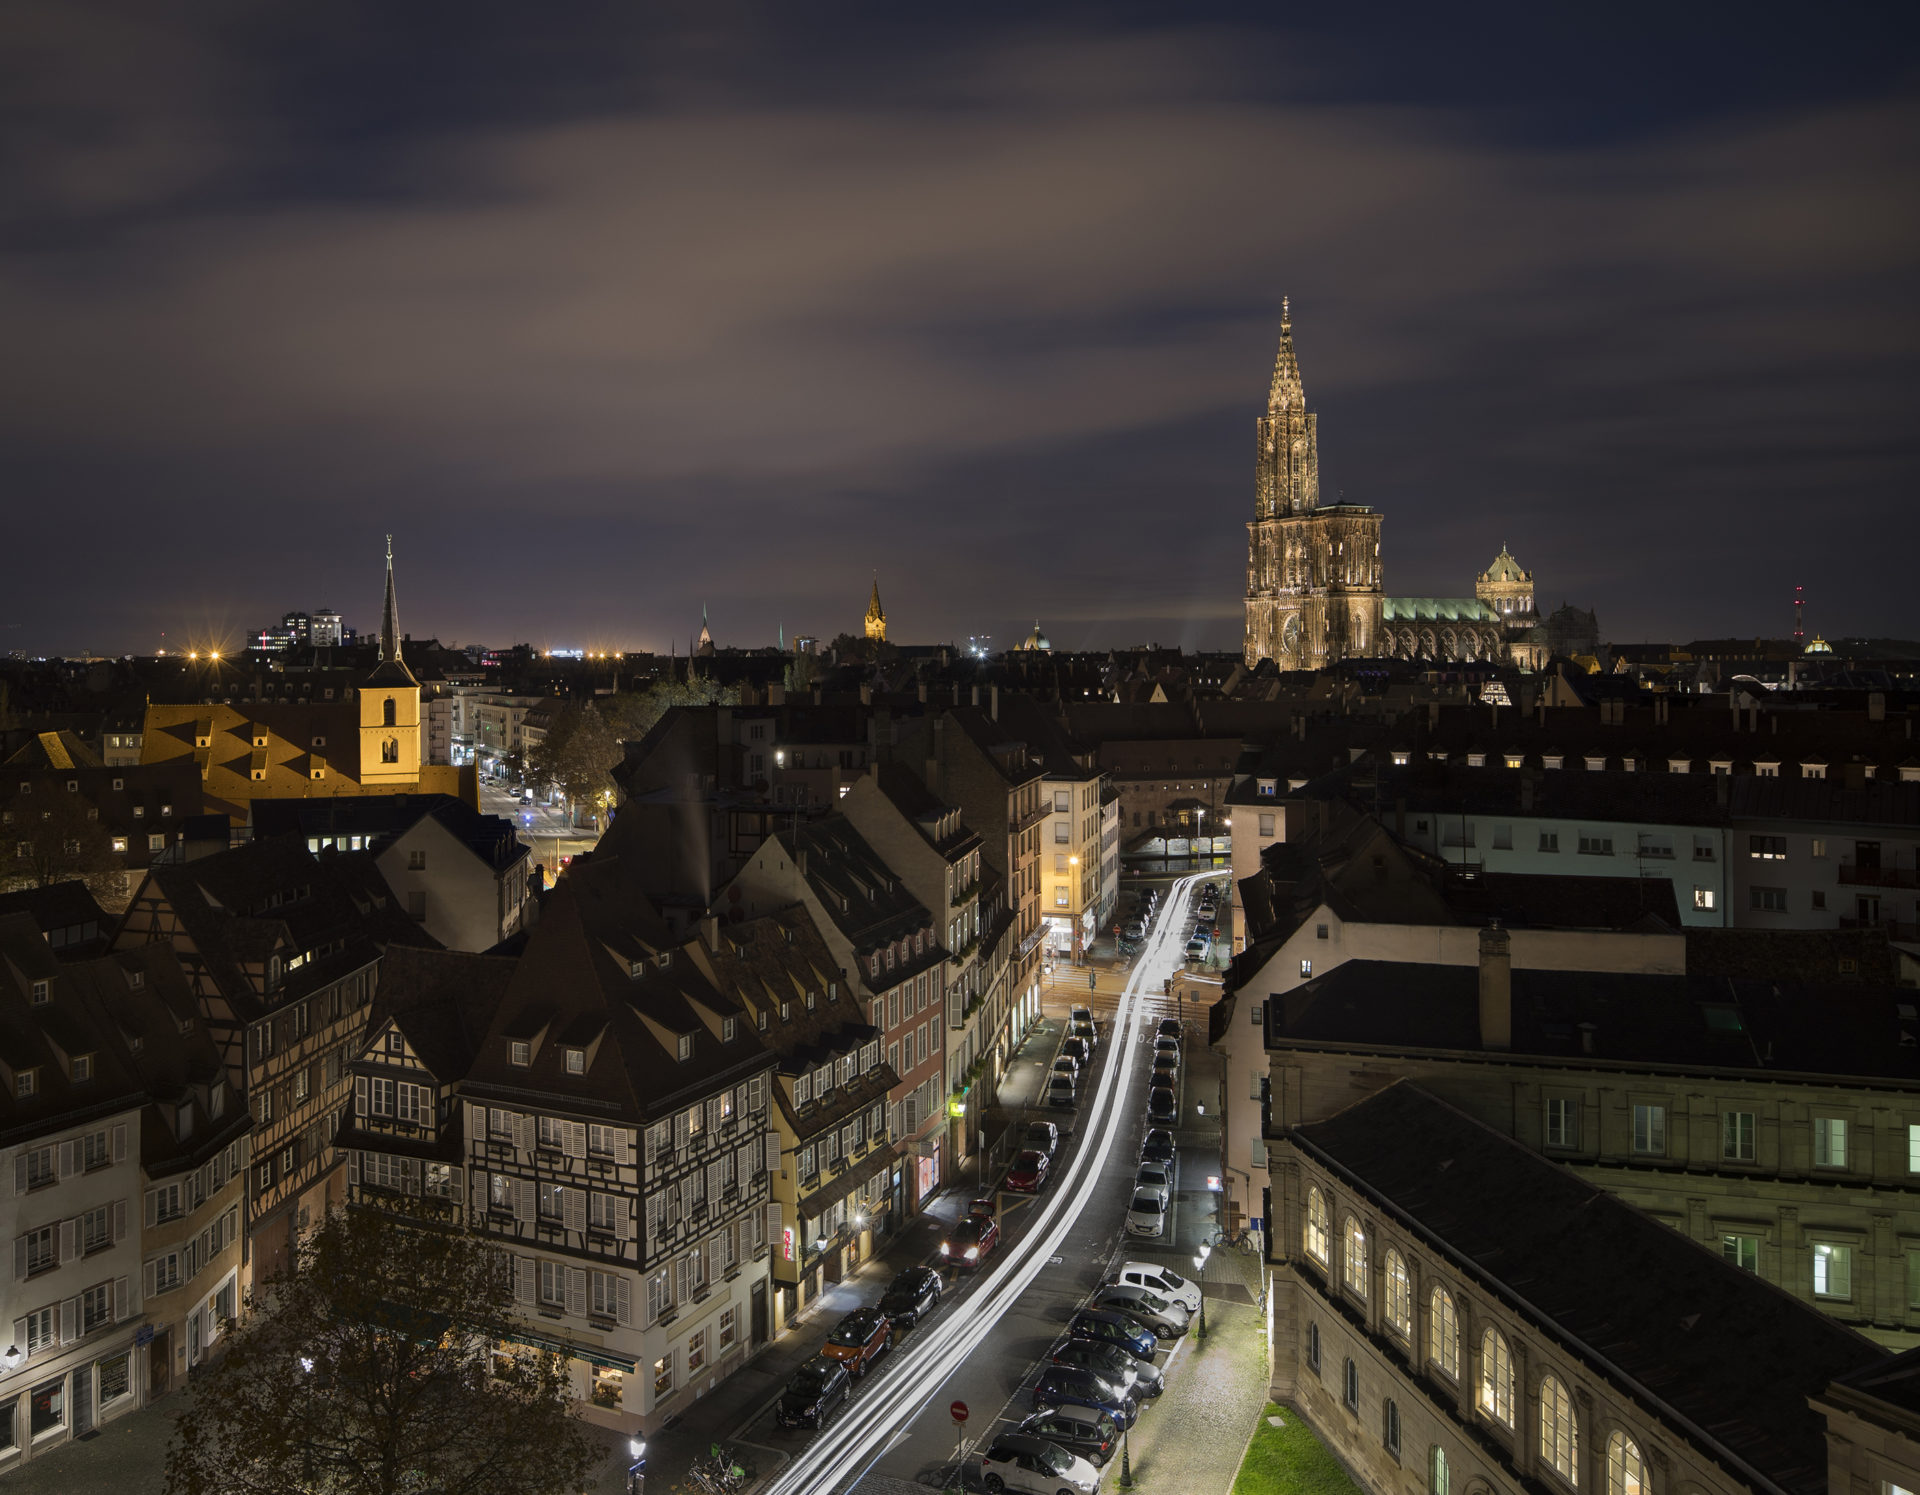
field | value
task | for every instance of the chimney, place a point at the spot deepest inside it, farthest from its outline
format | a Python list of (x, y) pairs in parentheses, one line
[(995, 698), (923, 692), (976, 696), (1496, 988), (710, 930)]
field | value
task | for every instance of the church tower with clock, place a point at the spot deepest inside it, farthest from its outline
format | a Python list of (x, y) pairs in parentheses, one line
[(1313, 572)]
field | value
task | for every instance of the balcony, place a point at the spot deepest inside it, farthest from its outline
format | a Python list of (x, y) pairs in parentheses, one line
[(1852, 874), (1897, 929)]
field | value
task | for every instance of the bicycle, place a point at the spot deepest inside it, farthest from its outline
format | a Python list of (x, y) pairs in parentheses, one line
[(1242, 1241)]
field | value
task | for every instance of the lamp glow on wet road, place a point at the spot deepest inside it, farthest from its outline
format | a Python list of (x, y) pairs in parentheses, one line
[(837, 1457)]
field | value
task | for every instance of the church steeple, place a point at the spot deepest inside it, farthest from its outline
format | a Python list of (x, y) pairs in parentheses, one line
[(1286, 393), (876, 615), (390, 617)]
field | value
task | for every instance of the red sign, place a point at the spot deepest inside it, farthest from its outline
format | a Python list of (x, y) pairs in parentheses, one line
[(959, 1411), (786, 1244)]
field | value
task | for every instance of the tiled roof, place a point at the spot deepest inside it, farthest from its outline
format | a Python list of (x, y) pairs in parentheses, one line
[(381, 817), (1701, 1341)]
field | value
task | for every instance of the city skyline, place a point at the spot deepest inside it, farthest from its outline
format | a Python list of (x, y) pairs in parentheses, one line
[(657, 312)]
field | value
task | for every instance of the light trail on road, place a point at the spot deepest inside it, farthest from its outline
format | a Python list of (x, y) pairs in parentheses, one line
[(846, 1450)]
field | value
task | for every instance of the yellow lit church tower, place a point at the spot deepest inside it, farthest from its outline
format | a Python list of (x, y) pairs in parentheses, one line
[(390, 746), (876, 616)]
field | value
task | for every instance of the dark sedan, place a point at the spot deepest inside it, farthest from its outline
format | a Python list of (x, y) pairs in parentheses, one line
[(1138, 1378), (915, 1293), (1044, 1136), (1063, 1385), (1103, 1327), (818, 1390), (1158, 1146), (1078, 1050), (1086, 1431), (1162, 1108)]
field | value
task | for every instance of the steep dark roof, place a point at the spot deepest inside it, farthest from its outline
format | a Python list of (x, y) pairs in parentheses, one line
[(865, 899), (1722, 1348), (381, 817), (1568, 794), (1686, 1021), (442, 1000), (1824, 799), (66, 913)]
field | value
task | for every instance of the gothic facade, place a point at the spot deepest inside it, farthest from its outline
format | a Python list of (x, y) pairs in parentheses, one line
[(1313, 573)]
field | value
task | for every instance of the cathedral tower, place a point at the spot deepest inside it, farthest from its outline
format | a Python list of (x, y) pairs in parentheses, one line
[(876, 616), (1313, 573), (390, 745)]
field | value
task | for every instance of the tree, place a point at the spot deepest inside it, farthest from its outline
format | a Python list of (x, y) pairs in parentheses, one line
[(370, 1369), (633, 714), (577, 754), (56, 836)]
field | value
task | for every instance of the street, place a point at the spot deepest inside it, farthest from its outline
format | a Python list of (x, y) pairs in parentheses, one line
[(984, 1344), (544, 828)]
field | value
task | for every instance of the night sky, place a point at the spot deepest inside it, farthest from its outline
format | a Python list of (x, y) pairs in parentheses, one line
[(607, 311)]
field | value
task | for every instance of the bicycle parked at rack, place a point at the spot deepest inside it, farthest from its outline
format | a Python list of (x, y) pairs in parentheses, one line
[(1243, 1240)]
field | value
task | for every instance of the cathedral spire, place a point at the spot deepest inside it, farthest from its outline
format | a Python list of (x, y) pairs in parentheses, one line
[(390, 617), (1286, 392), (876, 619)]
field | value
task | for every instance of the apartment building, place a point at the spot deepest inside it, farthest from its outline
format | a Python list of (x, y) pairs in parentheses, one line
[(837, 1179), (283, 950), (939, 860), (887, 947)]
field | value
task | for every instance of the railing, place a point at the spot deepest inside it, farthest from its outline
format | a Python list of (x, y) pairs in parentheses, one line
[(1897, 929), (1853, 874)]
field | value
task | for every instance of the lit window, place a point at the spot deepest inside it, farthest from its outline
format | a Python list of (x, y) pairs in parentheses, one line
[(1626, 1470), (521, 1052), (1399, 1296), (576, 1061), (1317, 1226), (1437, 1473), (1742, 1250), (1559, 1433), (1496, 1378), (1829, 1142), (1832, 1270), (1356, 1257), (1443, 1333)]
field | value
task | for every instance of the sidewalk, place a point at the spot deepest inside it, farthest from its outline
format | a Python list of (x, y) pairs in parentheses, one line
[(1192, 1440)]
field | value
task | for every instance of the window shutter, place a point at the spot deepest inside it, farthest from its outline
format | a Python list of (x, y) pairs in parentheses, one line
[(119, 1220), (680, 1130), (359, 1095), (680, 1294), (622, 1145), (622, 1219), (576, 1139), (577, 1291), (69, 1241), (20, 1180), (523, 1133), (523, 1200), (476, 1196), (523, 1279), (353, 1168), (120, 1142), (476, 1123), (453, 1181), (119, 1299), (149, 1280), (623, 1298), (69, 1158), (716, 1268), (773, 1222), (69, 1319), (573, 1208), (410, 1174), (19, 1261), (773, 1151)]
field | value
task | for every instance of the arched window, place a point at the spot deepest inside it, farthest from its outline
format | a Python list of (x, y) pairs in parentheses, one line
[(1559, 1433), (390, 751), (1496, 1378), (1443, 1333), (1313, 1347), (387, 710), (1399, 1296), (1350, 1385), (1317, 1226), (1356, 1257), (1438, 1477), (1626, 1470), (1390, 1428)]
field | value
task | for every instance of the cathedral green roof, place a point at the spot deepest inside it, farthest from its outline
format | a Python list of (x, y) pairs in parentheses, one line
[(1437, 610)]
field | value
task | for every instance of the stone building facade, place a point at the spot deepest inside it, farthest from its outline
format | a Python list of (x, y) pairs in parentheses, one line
[(1313, 573)]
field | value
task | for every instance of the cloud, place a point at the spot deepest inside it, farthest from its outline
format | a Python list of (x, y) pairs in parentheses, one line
[(775, 312)]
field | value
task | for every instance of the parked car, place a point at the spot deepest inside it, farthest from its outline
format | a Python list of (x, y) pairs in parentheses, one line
[(1103, 1326), (913, 1295), (1042, 1135), (1153, 1176), (1168, 1283), (1147, 1215), (1063, 1385), (1155, 1314), (1035, 1466), (1162, 1107), (1028, 1171), (859, 1339), (1085, 1432), (1157, 1147), (1198, 946), (970, 1242), (1169, 1028), (1136, 930), (1060, 1091), (1166, 1073), (1078, 1049), (1169, 1046), (1138, 1378), (1067, 1065), (818, 1390)]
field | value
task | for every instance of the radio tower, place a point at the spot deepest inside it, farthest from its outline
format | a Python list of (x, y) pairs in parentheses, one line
[(1799, 616)]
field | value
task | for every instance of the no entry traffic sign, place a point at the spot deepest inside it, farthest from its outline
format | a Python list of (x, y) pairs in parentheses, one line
[(959, 1411)]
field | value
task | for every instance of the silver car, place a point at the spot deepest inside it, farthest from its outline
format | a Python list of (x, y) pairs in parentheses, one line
[(1162, 1319), (1168, 1283)]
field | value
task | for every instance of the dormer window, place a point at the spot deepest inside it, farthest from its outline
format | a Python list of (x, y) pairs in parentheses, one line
[(666, 959), (1267, 788), (812, 1000), (786, 1011), (763, 1019), (728, 1027), (137, 980), (520, 1052), (73, 786), (396, 1043), (686, 1047), (42, 993), (82, 1068), (635, 969), (576, 1061)]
